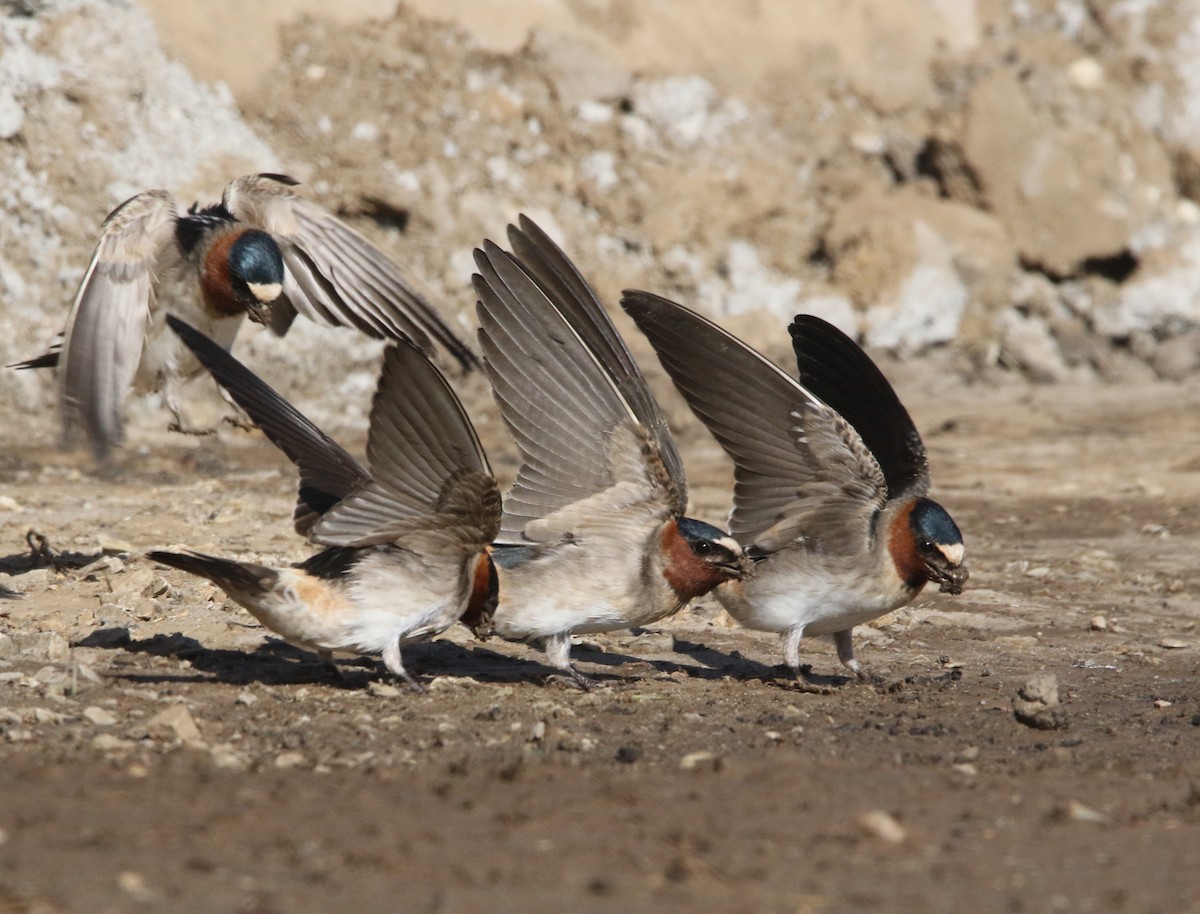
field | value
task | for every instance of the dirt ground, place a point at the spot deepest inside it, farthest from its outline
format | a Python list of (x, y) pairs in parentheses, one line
[(159, 751)]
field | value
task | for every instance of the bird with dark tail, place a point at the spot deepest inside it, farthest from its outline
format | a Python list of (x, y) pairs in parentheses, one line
[(406, 541), (831, 478)]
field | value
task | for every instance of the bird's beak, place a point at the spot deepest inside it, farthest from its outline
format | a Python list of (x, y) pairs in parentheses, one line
[(737, 570), (949, 578), (263, 297)]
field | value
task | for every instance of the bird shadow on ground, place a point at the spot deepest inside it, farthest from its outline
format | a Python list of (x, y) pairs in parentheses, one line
[(275, 662)]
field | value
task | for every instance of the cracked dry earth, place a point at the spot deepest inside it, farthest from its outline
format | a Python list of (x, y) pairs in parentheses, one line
[(159, 752)]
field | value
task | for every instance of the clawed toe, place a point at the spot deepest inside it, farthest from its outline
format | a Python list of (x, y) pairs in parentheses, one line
[(190, 430)]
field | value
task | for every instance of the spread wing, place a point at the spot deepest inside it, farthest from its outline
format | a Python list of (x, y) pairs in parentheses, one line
[(428, 469), (334, 274), (583, 450), (328, 473), (107, 324), (835, 369), (574, 298), (799, 467)]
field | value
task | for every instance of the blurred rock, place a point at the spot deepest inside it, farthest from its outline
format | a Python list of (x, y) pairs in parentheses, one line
[(1036, 703), (1069, 190), (43, 646), (177, 721)]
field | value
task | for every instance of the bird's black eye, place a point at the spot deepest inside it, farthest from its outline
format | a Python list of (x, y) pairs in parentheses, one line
[(924, 547), (702, 547)]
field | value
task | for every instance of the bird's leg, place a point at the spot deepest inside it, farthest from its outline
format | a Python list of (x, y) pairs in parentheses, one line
[(239, 419), (330, 664), (170, 396), (558, 655), (391, 660), (845, 652), (801, 674)]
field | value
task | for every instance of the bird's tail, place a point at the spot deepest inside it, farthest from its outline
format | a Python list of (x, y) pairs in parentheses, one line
[(230, 576)]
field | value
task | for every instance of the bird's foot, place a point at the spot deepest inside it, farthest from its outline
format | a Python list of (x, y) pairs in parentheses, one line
[(572, 678), (241, 422), (184, 429), (412, 683), (801, 679)]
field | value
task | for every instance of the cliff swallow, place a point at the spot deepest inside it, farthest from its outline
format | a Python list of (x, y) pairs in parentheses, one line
[(263, 251), (406, 539), (831, 477), (593, 536)]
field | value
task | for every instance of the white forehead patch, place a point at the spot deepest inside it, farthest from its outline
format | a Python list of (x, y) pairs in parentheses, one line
[(729, 543), (954, 554), (265, 291)]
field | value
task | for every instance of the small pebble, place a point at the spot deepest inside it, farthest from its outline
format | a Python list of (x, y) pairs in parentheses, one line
[(289, 760), (1080, 813), (178, 720), (1099, 624), (99, 716), (1162, 703), (383, 689), (107, 742), (1172, 644), (882, 825), (701, 760)]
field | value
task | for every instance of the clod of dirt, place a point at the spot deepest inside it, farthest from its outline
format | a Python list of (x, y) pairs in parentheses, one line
[(1036, 703)]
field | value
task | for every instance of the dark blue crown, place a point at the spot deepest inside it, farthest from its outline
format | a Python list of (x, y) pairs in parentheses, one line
[(255, 257), (930, 521)]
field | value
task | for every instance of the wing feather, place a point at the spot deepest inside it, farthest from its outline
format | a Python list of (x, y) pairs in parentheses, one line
[(799, 468), (328, 473), (578, 303), (106, 327), (426, 460), (341, 277), (569, 419), (835, 369)]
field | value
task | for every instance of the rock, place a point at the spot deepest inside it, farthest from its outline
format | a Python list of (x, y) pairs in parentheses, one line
[(111, 545), (1078, 812), (177, 721), (882, 825), (45, 646), (99, 717), (700, 761), (1069, 188), (107, 742), (1036, 703), (289, 760), (1099, 624), (1172, 644), (382, 689), (913, 263), (580, 74)]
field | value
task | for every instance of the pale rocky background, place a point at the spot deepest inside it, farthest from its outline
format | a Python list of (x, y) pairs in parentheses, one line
[(1006, 187)]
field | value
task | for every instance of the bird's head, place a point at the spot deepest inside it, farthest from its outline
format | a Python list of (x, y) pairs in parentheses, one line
[(926, 545), (256, 273), (698, 556)]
